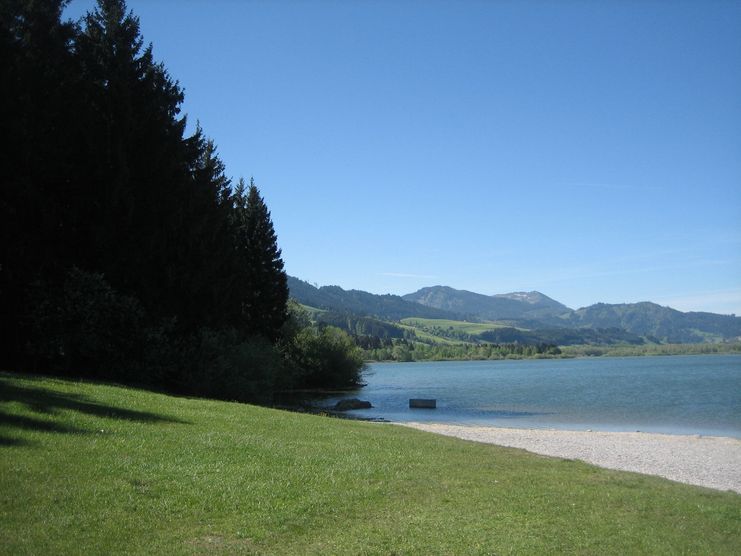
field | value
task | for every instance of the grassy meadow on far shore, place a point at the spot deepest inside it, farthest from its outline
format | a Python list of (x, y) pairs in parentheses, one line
[(91, 468)]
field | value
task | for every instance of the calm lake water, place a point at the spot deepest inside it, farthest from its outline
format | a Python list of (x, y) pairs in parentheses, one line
[(695, 394)]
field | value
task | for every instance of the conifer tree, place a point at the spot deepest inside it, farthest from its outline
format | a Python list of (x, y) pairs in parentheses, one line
[(136, 152), (38, 101), (264, 289), (158, 222), (207, 244), (124, 252)]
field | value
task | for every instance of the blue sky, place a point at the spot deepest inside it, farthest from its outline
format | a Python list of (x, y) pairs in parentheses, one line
[(588, 150)]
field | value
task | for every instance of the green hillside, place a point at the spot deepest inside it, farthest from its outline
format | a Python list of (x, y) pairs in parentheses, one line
[(446, 331), (97, 469), (473, 328), (535, 311), (654, 321)]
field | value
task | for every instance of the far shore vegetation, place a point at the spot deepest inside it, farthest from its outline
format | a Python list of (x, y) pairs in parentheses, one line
[(409, 351), (385, 338)]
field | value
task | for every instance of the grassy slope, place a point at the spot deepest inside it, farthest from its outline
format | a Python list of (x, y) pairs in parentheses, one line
[(426, 336), (419, 325), (88, 468), (474, 328)]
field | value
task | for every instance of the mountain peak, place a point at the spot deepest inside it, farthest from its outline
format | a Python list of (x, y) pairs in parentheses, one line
[(516, 305), (532, 298)]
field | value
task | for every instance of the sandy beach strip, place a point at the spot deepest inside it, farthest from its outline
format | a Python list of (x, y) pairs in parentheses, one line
[(709, 461)]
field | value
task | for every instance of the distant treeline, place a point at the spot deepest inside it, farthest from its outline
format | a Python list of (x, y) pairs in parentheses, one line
[(126, 252), (363, 327), (382, 340), (562, 336), (652, 349), (404, 350)]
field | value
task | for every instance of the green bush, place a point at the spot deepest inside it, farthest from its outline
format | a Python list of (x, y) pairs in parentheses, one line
[(84, 326), (325, 358), (221, 364)]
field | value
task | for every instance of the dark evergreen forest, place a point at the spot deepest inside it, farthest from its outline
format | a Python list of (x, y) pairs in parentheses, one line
[(126, 252)]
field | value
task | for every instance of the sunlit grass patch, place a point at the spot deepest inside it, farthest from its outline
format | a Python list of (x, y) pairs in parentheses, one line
[(90, 468)]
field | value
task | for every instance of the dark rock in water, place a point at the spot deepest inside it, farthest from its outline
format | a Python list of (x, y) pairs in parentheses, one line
[(351, 403), (422, 403)]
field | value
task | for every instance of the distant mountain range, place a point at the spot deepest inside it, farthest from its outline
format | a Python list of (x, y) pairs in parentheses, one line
[(535, 311), (384, 307), (524, 310)]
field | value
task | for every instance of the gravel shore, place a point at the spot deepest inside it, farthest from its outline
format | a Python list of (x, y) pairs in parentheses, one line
[(708, 461)]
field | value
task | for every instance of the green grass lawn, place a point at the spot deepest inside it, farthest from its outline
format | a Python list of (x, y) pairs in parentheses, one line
[(97, 469)]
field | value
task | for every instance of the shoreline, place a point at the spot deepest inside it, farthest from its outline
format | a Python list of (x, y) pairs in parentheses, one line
[(707, 461), (556, 357)]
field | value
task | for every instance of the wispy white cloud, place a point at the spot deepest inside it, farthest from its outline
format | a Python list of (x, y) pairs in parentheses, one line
[(407, 275), (610, 186), (716, 301), (601, 271)]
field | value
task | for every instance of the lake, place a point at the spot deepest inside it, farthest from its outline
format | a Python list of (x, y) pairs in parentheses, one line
[(696, 394)]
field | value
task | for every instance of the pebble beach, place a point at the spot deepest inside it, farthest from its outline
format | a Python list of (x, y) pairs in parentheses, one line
[(708, 461)]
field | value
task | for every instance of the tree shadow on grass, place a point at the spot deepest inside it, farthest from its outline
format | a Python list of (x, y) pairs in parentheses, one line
[(29, 423), (48, 402), (5, 441)]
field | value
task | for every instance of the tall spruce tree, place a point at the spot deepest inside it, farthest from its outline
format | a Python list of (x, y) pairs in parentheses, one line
[(207, 246), (264, 288), (39, 95), (100, 177), (158, 223), (137, 169)]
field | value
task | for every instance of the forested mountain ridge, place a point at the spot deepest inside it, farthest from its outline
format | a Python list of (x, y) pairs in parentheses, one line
[(541, 304), (535, 310), (387, 307), (654, 321), (517, 306), (528, 310)]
